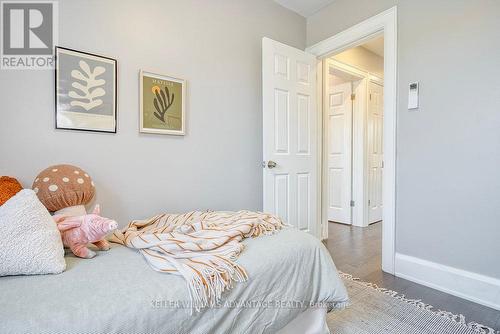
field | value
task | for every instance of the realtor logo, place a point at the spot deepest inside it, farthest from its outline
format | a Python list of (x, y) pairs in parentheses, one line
[(29, 33)]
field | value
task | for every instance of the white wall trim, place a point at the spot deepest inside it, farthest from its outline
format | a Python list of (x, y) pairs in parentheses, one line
[(477, 288), (386, 23), (348, 68)]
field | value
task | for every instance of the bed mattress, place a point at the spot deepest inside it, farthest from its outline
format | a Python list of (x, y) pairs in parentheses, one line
[(117, 292)]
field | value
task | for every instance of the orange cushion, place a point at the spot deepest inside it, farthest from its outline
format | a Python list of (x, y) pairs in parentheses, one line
[(9, 186)]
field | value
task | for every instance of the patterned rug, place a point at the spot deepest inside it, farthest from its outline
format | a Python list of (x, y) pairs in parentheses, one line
[(375, 310)]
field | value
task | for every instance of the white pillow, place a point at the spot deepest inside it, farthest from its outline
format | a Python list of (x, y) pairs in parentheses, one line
[(30, 242)]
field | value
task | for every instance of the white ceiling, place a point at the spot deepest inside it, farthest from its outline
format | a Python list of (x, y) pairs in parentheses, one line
[(375, 45), (304, 7)]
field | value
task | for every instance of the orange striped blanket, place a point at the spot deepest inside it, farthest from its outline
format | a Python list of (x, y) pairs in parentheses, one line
[(200, 246)]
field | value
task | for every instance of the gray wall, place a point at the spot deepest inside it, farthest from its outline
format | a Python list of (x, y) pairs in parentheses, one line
[(215, 45), (448, 153)]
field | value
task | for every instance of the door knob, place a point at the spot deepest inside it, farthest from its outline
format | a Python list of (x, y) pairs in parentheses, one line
[(271, 164)]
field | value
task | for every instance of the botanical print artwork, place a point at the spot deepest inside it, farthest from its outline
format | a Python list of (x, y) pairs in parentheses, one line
[(162, 104), (88, 86), (165, 103), (86, 91)]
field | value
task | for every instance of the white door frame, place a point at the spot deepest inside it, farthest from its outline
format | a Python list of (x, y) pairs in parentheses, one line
[(386, 23)]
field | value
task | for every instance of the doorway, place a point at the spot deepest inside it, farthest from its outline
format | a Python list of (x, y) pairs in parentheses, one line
[(353, 134), (384, 23)]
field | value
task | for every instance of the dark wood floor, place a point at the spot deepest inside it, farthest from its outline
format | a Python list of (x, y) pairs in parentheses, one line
[(358, 251)]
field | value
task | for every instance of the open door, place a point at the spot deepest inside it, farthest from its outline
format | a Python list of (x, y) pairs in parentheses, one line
[(290, 131), (339, 147)]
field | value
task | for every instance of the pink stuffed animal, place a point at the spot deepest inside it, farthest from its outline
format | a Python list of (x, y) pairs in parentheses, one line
[(78, 231)]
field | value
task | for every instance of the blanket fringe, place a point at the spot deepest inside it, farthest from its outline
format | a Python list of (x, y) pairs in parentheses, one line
[(205, 289), (458, 318)]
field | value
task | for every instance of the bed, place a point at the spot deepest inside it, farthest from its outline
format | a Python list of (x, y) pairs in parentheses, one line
[(117, 292)]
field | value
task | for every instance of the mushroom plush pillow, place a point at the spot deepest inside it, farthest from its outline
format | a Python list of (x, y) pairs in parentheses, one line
[(64, 189), (30, 242)]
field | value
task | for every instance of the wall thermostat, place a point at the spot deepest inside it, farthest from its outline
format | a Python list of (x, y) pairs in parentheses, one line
[(413, 96)]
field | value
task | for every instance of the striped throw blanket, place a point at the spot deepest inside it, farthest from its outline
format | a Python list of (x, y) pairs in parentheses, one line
[(200, 246)]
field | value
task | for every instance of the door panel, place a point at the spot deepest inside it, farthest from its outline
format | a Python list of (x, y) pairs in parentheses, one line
[(339, 152), (290, 135), (281, 121), (303, 130), (281, 195), (375, 151)]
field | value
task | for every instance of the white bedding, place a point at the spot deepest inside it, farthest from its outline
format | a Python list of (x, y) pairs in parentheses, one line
[(117, 292)]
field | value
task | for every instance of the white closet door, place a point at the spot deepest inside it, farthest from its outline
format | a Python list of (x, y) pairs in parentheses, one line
[(290, 119), (339, 152), (375, 151)]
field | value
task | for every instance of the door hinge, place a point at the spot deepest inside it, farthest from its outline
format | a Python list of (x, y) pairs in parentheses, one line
[(369, 202), (382, 163), (352, 203), (353, 97), (370, 96)]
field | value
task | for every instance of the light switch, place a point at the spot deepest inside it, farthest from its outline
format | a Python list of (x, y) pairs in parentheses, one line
[(413, 96)]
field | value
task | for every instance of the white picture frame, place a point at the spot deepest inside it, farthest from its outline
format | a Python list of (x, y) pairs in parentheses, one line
[(154, 116)]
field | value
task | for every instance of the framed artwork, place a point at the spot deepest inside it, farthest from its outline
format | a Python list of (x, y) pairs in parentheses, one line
[(85, 91), (162, 104)]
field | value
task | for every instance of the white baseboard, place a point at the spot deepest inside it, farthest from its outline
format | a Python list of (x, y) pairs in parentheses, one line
[(477, 288)]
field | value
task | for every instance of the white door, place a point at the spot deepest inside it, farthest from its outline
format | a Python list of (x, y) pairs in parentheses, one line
[(375, 151), (290, 127), (339, 109)]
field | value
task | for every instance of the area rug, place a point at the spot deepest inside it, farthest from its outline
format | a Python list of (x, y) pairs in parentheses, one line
[(375, 310)]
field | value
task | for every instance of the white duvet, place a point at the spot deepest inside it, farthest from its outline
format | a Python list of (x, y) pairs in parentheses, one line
[(117, 292)]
